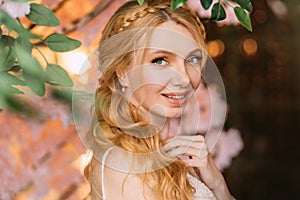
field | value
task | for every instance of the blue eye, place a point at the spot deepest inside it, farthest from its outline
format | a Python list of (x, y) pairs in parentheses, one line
[(194, 59), (160, 61)]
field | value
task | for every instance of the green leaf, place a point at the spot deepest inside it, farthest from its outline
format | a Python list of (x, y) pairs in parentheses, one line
[(7, 55), (15, 68), (41, 15), (10, 90), (33, 73), (24, 43), (3, 102), (6, 82), (11, 102), (246, 4), (206, 4), (6, 58), (140, 1), (56, 75), (35, 83), (63, 94), (15, 104), (218, 12), (177, 3), (7, 89), (243, 17), (7, 41), (61, 43), (9, 22), (0, 33), (8, 79)]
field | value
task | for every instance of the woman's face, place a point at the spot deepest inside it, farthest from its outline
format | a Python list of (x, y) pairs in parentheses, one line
[(166, 72)]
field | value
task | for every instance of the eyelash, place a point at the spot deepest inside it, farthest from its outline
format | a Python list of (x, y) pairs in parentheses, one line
[(155, 60), (199, 59)]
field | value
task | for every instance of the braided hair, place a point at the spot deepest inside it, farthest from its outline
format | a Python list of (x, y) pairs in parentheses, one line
[(131, 12)]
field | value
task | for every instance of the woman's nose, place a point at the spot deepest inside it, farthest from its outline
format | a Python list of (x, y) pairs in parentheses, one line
[(181, 77)]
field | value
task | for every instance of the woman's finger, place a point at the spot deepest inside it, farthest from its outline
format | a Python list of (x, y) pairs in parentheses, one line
[(197, 162), (186, 141), (199, 138), (197, 150)]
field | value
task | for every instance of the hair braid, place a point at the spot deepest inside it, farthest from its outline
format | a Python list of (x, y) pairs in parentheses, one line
[(195, 15), (126, 21), (144, 10)]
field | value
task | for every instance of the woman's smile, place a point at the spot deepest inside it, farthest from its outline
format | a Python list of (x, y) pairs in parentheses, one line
[(175, 98)]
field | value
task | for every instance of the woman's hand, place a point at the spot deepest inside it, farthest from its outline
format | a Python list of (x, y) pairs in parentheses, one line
[(193, 151)]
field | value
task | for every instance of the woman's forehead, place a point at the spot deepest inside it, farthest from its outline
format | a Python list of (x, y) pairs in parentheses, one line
[(172, 41), (177, 40)]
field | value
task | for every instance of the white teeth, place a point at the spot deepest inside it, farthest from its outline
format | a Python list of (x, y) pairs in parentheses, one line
[(175, 97)]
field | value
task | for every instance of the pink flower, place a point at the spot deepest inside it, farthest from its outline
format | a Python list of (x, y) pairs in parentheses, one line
[(279, 8), (206, 14), (228, 146), (15, 9)]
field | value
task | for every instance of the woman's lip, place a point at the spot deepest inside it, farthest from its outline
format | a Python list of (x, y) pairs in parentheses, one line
[(175, 101), (175, 93)]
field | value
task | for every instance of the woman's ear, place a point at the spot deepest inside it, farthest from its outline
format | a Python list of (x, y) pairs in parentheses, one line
[(123, 79)]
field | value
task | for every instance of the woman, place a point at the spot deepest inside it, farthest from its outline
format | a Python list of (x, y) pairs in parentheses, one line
[(151, 59)]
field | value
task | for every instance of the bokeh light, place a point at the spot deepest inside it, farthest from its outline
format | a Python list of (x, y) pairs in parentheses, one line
[(250, 46), (215, 48), (260, 16), (75, 62)]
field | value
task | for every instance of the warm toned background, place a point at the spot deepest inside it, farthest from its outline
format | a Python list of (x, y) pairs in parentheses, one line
[(43, 159)]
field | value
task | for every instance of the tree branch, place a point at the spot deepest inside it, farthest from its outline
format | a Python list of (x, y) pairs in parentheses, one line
[(82, 22)]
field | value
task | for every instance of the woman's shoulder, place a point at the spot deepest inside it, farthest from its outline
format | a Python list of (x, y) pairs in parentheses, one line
[(117, 177), (116, 159)]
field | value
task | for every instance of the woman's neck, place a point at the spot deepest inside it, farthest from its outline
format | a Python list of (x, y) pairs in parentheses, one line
[(164, 131)]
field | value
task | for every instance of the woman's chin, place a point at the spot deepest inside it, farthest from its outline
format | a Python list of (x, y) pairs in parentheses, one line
[(174, 114)]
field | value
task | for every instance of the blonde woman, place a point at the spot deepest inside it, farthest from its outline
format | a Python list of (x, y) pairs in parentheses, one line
[(151, 59)]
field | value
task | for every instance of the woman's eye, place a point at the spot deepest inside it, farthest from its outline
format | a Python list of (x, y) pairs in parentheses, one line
[(160, 61), (195, 59)]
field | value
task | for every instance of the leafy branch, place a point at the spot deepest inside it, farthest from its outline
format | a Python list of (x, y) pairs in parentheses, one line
[(218, 11), (18, 67)]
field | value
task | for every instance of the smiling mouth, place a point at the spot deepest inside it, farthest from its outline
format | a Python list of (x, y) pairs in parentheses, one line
[(178, 97)]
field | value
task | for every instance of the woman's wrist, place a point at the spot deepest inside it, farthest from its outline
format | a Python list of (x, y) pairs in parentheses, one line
[(222, 192)]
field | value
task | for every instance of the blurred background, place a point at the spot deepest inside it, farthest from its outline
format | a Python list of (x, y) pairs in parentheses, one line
[(42, 157)]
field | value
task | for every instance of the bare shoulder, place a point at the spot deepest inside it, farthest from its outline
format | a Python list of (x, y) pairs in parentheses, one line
[(119, 181)]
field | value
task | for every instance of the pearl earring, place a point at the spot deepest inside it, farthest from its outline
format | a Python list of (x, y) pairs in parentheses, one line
[(123, 89)]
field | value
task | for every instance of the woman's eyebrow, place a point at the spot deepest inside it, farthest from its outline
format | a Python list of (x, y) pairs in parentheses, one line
[(162, 51), (195, 51), (157, 51)]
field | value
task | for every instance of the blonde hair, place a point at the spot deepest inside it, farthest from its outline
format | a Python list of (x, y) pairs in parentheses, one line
[(115, 116)]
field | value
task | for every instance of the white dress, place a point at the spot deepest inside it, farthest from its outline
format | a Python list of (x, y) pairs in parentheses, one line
[(202, 191)]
